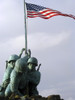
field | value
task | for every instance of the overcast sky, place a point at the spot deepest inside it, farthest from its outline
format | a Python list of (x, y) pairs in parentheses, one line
[(51, 41)]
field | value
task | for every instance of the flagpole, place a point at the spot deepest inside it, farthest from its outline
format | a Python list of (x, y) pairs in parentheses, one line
[(25, 25)]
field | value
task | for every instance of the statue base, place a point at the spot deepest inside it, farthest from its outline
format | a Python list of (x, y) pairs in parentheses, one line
[(39, 97)]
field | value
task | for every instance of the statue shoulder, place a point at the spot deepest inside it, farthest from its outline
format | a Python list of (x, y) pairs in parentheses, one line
[(13, 74)]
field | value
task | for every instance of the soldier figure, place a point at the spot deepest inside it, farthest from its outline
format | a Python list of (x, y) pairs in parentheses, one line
[(9, 67), (18, 79), (33, 76), (6, 78)]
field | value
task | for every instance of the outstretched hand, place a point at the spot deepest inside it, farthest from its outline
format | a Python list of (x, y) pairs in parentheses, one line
[(29, 52), (23, 49)]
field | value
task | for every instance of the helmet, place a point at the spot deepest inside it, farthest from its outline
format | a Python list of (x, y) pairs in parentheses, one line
[(33, 60), (25, 58), (20, 65), (13, 57)]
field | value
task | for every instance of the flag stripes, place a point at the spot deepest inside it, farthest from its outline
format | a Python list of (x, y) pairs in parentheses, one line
[(43, 12)]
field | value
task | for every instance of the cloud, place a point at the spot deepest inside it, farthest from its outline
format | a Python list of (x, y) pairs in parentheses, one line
[(43, 40), (37, 41), (12, 45)]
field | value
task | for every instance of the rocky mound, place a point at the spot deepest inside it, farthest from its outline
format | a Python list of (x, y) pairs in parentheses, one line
[(51, 97)]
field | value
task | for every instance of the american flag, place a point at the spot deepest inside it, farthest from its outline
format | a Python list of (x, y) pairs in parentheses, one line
[(43, 12)]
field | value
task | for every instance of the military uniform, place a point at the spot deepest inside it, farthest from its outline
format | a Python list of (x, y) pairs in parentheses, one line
[(33, 76), (34, 79)]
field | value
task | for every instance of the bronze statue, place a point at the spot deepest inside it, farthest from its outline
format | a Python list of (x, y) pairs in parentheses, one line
[(21, 76)]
